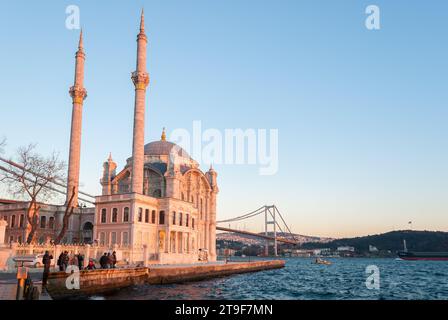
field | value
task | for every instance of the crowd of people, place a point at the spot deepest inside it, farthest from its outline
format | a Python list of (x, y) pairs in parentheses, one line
[(107, 261)]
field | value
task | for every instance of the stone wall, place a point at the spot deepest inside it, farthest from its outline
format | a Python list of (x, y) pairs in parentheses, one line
[(176, 274), (95, 281)]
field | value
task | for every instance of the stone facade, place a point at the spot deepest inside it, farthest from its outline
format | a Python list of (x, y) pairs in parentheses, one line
[(50, 223), (176, 214)]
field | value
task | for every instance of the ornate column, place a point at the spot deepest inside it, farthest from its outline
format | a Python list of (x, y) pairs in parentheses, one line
[(3, 225)]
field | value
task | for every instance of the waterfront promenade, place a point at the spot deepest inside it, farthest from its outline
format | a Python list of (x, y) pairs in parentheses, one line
[(8, 290)]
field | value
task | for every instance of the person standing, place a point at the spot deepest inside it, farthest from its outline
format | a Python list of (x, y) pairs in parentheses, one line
[(114, 259), (65, 260), (80, 261), (61, 261), (46, 261), (103, 261)]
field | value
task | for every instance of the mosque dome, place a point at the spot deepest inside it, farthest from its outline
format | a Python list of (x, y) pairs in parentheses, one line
[(163, 147)]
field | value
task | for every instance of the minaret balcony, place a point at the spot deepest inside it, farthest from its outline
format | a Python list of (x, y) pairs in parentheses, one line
[(140, 79)]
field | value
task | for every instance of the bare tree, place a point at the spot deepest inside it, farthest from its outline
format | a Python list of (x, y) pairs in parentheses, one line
[(32, 181)]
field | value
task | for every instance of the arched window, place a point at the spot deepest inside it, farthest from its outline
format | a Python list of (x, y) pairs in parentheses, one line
[(126, 214), (13, 221), (147, 215), (113, 238), (162, 217), (51, 223), (174, 217), (125, 240), (102, 238), (103, 215), (153, 216), (180, 218), (21, 220), (114, 215), (88, 226), (43, 222), (140, 214)]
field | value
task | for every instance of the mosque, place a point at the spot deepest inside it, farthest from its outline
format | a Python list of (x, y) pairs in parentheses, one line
[(160, 199)]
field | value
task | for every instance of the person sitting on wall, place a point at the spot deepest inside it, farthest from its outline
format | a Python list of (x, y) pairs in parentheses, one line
[(91, 265)]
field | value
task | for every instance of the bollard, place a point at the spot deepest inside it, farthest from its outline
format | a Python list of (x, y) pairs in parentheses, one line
[(22, 275)]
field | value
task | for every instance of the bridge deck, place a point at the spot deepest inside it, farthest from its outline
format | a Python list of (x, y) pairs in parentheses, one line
[(257, 235)]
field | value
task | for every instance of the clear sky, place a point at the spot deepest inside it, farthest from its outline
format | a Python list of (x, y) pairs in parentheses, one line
[(361, 113)]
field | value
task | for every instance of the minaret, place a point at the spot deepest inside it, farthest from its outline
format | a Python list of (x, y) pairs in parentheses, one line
[(141, 80), (78, 94), (109, 172), (210, 222)]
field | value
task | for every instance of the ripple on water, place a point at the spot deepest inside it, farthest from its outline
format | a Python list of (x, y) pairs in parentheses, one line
[(300, 279)]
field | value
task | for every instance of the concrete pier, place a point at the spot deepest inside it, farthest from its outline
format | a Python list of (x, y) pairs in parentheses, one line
[(107, 280), (177, 274)]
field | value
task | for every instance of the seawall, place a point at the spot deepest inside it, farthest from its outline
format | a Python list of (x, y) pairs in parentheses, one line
[(104, 281), (176, 274)]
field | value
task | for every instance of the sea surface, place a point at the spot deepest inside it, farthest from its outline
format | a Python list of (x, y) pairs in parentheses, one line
[(301, 279)]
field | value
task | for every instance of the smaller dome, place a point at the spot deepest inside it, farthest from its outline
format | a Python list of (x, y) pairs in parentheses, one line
[(164, 147)]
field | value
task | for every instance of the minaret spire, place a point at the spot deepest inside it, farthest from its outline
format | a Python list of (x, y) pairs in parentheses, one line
[(142, 22), (78, 94), (80, 45), (141, 81)]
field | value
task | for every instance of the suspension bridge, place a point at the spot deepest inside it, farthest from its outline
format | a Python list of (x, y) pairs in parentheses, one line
[(273, 220)]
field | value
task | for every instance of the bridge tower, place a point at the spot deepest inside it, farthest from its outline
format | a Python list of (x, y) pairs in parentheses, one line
[(269, 213)]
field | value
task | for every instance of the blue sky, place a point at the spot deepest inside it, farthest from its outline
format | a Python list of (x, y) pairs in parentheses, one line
[(361, 114)]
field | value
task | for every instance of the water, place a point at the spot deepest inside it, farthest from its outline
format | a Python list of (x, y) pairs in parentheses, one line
[(301, 279)]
